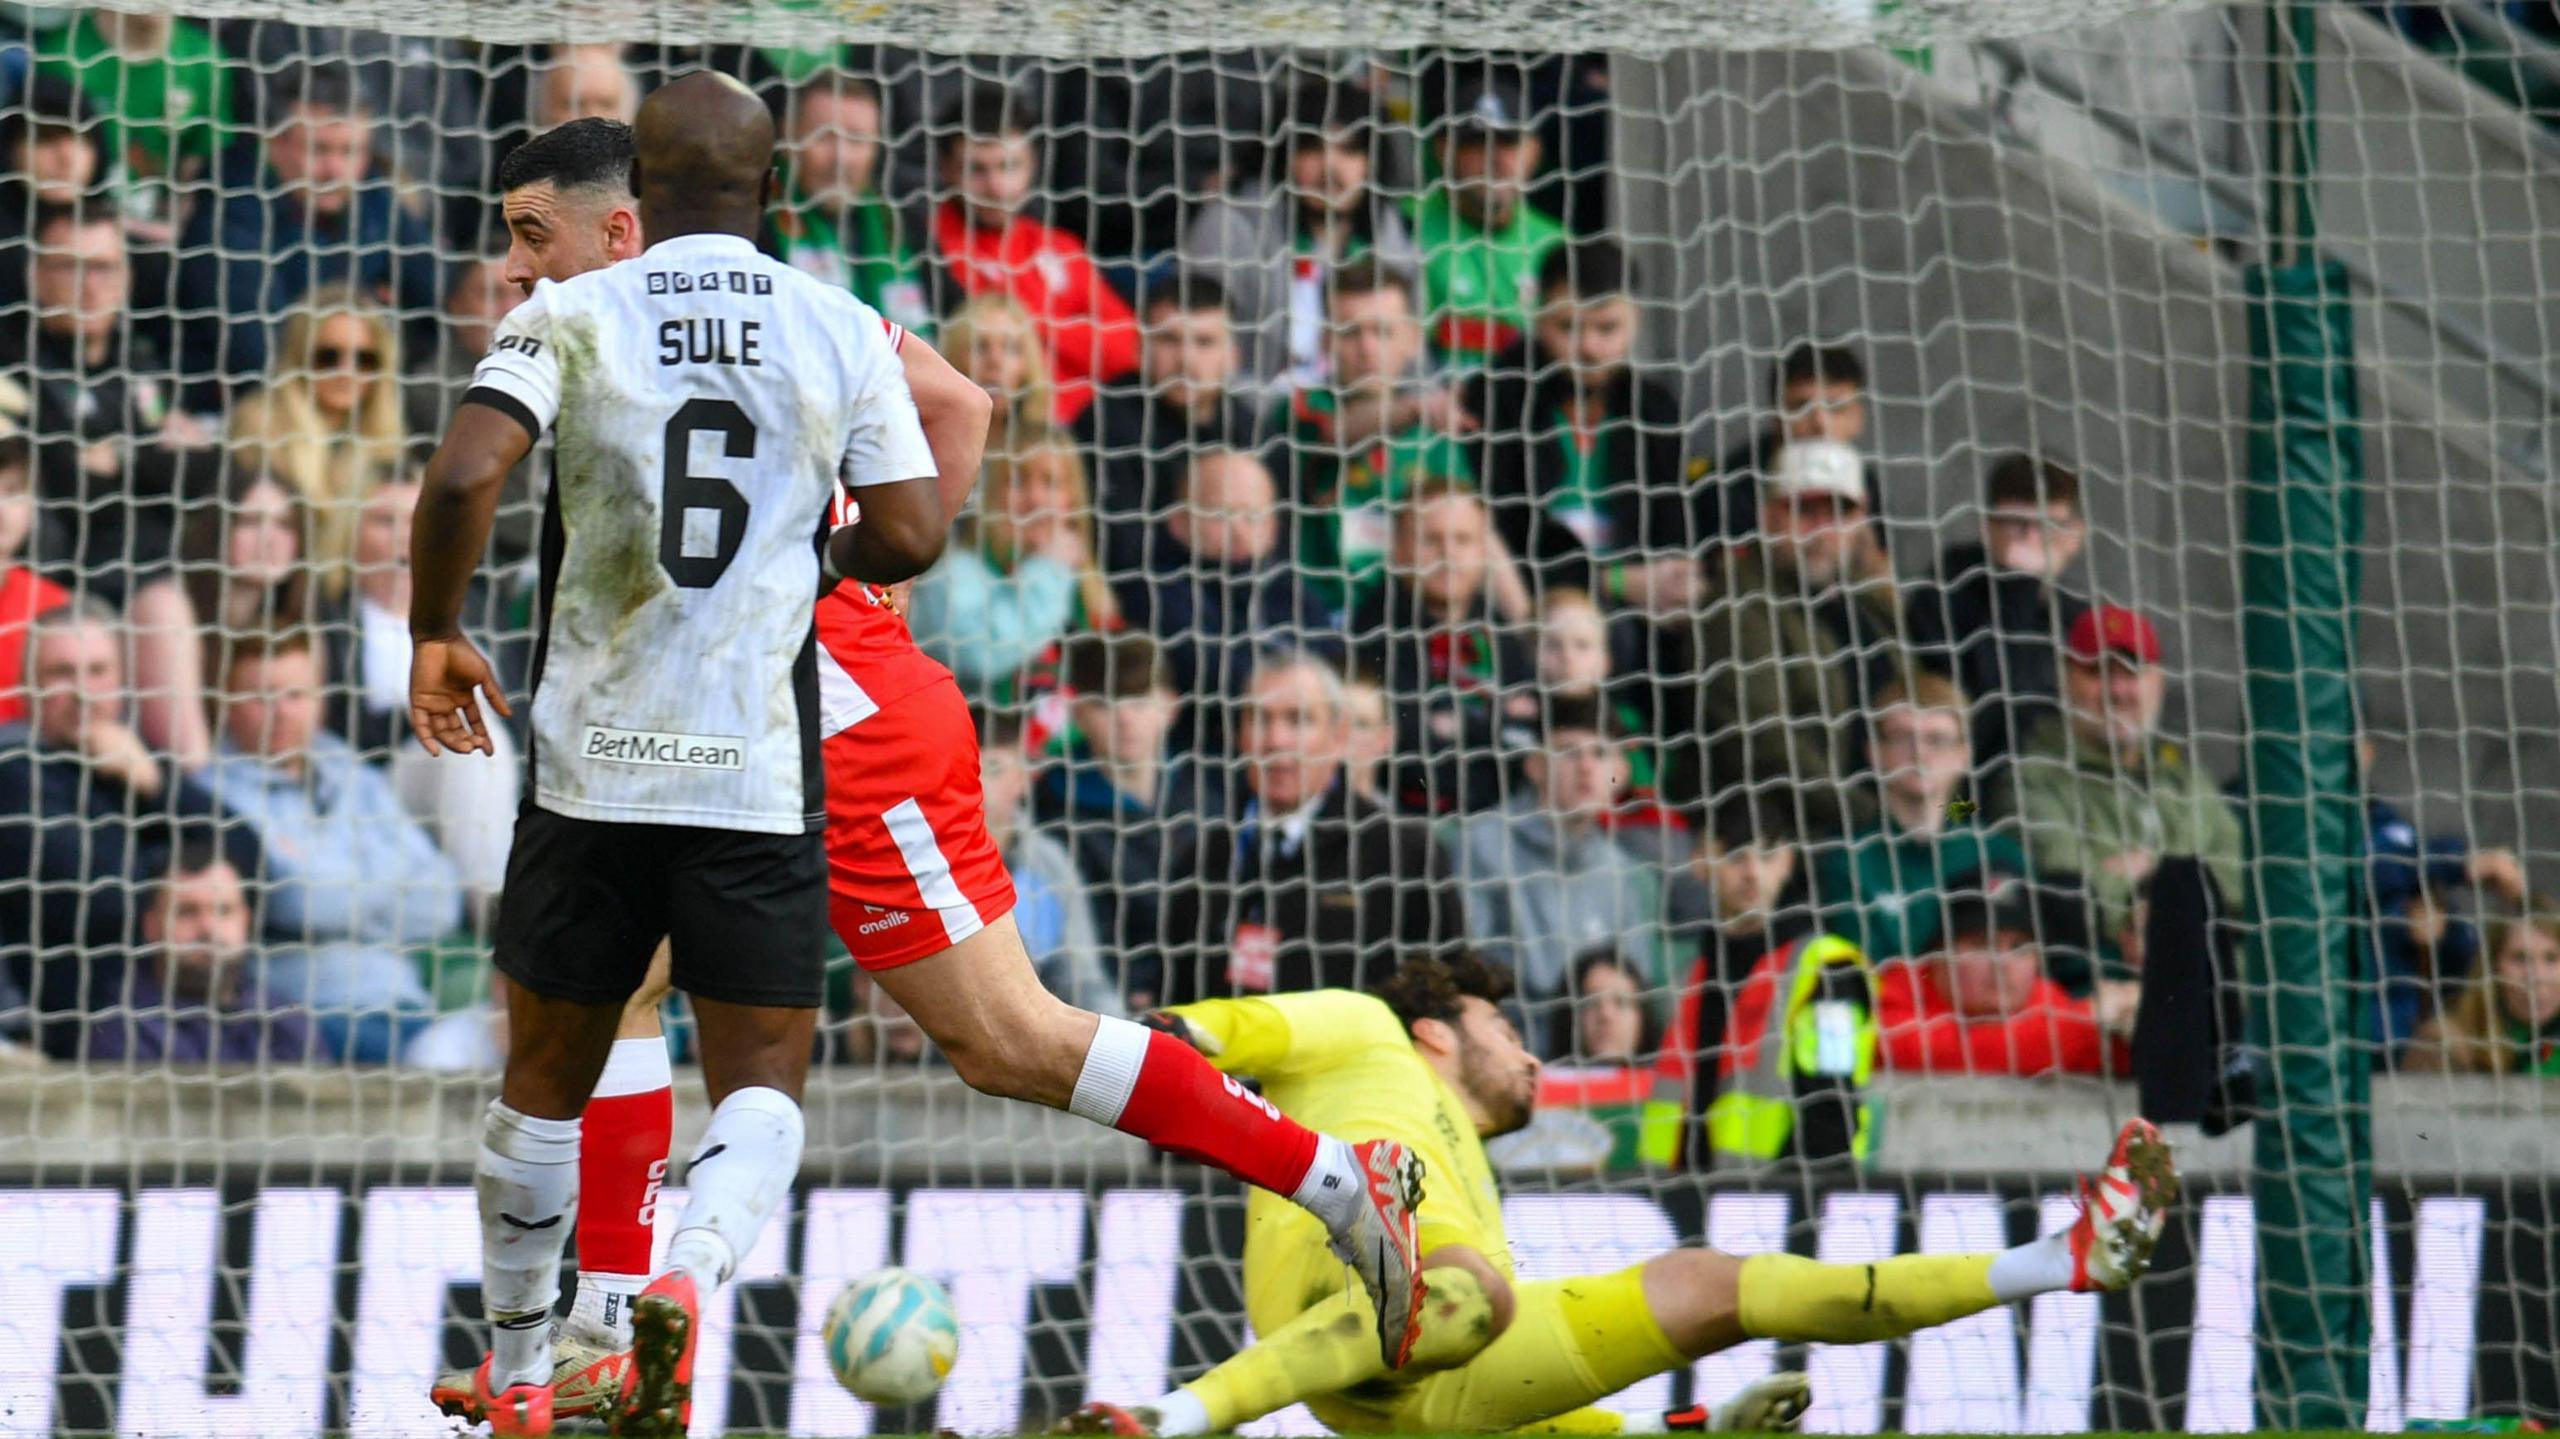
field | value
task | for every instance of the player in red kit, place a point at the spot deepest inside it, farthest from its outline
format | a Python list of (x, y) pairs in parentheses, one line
[(921, 900)]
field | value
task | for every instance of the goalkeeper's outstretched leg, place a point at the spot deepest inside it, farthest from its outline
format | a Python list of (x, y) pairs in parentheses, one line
[(1569, 1343)]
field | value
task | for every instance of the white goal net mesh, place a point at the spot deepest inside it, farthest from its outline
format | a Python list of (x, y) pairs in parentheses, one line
[(1761, 482)]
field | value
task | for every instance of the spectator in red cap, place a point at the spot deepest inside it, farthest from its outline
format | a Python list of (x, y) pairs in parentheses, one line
[(2105, 798)]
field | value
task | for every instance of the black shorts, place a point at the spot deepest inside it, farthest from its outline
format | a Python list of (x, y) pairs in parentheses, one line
[(586, 903)]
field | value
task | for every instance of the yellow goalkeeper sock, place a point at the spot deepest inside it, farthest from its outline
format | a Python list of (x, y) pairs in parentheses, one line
[(1334, 1346), (1786, 1297)]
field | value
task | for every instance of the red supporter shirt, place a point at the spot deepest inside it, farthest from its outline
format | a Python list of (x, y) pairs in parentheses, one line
[(1090, 331), (24, 594), (2051, 1033)]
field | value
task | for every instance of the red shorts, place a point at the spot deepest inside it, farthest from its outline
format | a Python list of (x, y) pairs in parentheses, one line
[(911, 869)]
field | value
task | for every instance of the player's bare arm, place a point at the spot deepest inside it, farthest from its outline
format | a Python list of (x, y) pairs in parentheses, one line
[(899, 537), (448, 674), (955, 413)]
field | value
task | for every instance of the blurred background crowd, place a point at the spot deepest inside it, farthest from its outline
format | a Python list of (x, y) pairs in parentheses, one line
[(1341, 586)]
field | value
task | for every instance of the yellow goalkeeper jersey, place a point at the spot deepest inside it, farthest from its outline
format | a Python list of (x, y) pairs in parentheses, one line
[(1341, 1062)]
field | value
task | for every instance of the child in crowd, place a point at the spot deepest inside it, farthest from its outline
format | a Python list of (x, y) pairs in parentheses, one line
[(1019, 575), (1574, 663)]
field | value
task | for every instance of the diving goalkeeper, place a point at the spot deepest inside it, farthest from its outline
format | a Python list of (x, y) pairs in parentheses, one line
[(1431, 1061)]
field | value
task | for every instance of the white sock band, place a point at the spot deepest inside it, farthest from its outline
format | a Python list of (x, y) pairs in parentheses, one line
[(1334, 1188), (527, 1179), (601, 1310), (739, 1176), (2039, 1266), (1110, 1075), (636, 1066), (1181, 1412)]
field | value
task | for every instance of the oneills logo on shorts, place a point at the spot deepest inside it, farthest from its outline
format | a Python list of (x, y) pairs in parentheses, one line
[(666, 751)]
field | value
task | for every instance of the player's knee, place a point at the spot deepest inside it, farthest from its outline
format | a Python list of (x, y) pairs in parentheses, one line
[(1467, 1304), (1032, 1056), (1695, 1295), (977, 1061)]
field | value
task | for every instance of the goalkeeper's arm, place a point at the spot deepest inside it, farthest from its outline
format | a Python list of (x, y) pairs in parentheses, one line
[(1280, 1035)]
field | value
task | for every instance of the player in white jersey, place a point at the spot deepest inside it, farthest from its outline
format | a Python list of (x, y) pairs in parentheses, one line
[(710, 405), (570, 210)]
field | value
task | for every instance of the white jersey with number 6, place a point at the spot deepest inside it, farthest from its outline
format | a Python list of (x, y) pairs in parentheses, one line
[(710, 407)]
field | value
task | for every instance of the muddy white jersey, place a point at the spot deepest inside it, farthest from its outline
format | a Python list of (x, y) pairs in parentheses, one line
[(708, 407)]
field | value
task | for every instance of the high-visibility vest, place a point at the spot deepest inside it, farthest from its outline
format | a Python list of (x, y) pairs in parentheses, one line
[(1777, 1029)]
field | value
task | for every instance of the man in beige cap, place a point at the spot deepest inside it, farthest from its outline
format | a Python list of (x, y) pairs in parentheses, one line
[(1784, 658)]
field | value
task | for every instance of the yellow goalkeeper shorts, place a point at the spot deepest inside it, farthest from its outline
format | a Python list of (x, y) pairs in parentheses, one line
[(1572, 1342)]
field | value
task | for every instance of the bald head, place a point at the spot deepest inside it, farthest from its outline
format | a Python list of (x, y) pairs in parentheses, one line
[(702, 157)]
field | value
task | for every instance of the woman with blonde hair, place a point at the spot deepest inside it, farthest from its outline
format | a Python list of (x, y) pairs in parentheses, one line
[(1019, 573), (330, 420), (994, 342), (2508, 1021)]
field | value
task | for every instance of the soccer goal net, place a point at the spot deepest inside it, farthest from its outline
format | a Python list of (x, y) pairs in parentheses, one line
[(1917, 578)]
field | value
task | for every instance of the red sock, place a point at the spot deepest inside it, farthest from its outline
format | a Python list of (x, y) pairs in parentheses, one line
[(622, 1159), (1150, 1084)]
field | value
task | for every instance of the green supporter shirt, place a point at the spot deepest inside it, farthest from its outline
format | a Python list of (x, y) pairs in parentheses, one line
[(1886, 890), (860, 249), (1346, 496), (161, 112), (1479, 287)]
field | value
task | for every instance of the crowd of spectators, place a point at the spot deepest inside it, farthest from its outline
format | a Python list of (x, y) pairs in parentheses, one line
[(1346, 582)]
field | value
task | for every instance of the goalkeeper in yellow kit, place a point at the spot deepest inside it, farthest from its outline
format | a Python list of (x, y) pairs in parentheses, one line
[(1431, 1061)]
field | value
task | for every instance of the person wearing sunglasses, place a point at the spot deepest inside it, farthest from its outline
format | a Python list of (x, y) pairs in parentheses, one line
[(329, 419)]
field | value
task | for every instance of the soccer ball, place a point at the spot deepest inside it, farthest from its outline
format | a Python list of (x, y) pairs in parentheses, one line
[(891, 1337)]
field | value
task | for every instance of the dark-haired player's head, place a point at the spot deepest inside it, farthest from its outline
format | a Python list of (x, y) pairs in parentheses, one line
[(568, 201), (1374, 327), (1453, 1010), (702, 158), (986, 154), (1821, 393), (1587, 309), (1190, 354), (2031, 518)]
